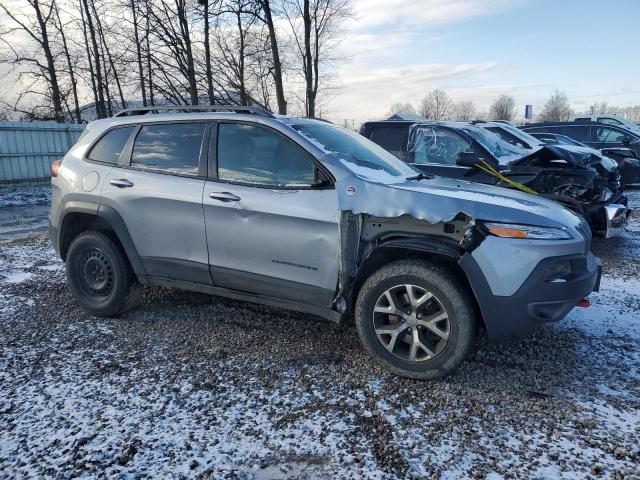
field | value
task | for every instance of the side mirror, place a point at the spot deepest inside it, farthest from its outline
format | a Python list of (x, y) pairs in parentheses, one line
[(626, 141), (467, 159)]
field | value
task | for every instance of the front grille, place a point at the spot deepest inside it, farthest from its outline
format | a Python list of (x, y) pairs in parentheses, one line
[(585, 231)]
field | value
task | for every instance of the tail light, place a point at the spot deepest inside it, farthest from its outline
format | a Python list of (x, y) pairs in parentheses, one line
[(55, 166)]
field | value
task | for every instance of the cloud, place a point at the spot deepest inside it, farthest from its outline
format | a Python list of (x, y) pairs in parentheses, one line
[(368, 94), (402, 14)]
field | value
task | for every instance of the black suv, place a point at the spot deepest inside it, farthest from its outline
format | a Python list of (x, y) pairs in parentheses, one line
[(594, 134)]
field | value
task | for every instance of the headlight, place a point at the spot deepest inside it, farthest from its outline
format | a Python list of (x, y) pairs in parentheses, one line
[(532, 232)]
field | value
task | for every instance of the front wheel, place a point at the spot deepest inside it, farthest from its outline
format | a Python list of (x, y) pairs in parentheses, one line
[(416, 319), (100, 276)]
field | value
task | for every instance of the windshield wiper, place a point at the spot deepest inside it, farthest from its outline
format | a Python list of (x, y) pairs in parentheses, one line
[(421, 176)]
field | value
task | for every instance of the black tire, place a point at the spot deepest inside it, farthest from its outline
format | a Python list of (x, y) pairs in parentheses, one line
[(99, 275), (449, 296)]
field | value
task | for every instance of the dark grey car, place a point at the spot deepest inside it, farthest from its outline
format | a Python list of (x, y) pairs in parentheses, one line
[(304, 215)]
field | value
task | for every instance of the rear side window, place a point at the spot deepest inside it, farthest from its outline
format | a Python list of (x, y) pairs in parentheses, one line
[(579, 132), (110, 146), (392, 139), (259, 156), (171, 148)]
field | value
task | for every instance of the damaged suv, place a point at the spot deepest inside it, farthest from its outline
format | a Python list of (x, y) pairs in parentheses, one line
[(499, 154), (304, 215)]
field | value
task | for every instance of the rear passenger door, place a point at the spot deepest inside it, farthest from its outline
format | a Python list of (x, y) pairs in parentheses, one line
[(272, 226), (156, 187)]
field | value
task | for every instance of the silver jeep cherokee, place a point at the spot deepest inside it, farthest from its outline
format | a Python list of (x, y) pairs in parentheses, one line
[(304, 215)]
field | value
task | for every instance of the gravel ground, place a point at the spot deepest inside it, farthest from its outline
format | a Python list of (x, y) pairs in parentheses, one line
[(189, 385)]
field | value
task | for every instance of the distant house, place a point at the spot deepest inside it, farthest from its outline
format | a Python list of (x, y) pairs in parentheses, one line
[(406, 116)]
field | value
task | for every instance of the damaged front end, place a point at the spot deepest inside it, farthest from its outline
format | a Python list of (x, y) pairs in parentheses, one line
[(584, 182)]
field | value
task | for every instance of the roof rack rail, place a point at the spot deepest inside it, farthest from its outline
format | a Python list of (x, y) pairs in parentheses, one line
[(195, 108)]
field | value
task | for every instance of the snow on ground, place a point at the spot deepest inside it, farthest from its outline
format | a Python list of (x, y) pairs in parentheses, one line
[(188, 385), (23, 210)]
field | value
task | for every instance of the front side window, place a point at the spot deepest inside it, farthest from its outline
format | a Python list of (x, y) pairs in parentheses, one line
[(259, 156), (609, 135), (110, 146), (169, 147), (437, 145)]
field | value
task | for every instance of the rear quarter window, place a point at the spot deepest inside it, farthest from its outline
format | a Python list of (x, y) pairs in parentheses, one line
[(110, 146)]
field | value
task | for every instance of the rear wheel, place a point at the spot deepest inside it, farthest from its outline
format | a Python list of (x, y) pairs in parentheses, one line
[(417, 319), (100, 276)]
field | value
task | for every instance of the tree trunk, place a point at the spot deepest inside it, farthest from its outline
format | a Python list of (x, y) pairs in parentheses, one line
[(207, 54), (72, 76), (277, 64), (92, 75), (146, 38), (191, 71), (105, 47), (308, 62), (100, 106), (56, 98), (138, 52)]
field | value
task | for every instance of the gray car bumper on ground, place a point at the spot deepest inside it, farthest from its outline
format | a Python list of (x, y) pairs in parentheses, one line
[(538, 300)]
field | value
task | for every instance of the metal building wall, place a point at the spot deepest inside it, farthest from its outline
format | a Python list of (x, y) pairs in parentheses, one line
[(28, 148)]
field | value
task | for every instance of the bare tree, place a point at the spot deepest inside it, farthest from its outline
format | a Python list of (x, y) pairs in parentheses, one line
[(557, 108), (172, 60), (36, 25), (60, 27), (315, 25), (400, 107), (464, 111), (94, 59), (239, 42), (134, 6), (503, 108), (599, 108), (436, 105), (266, 16)]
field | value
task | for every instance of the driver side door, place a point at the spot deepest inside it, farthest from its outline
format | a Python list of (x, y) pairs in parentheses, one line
[(272, 227), (436, 150)]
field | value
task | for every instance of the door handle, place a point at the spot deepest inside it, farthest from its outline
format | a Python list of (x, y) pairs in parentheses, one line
[(121, 183), (224, 196)]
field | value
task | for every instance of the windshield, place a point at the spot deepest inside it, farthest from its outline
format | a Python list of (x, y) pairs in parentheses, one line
[(361, 156), (503, 151)]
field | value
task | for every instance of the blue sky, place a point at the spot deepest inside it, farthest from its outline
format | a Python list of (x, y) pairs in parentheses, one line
[(476, 49)]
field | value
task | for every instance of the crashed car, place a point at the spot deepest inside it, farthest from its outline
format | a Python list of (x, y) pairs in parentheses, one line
[(628, 161), (581, 179), (304, 215)]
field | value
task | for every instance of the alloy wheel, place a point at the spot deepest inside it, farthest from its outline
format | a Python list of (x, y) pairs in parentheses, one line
[(411, 323)]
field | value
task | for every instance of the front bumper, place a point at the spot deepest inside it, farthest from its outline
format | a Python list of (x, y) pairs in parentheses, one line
[(537, 301)]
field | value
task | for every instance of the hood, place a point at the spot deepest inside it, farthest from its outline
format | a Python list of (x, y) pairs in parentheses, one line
[(441, 199), (574, 155)]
